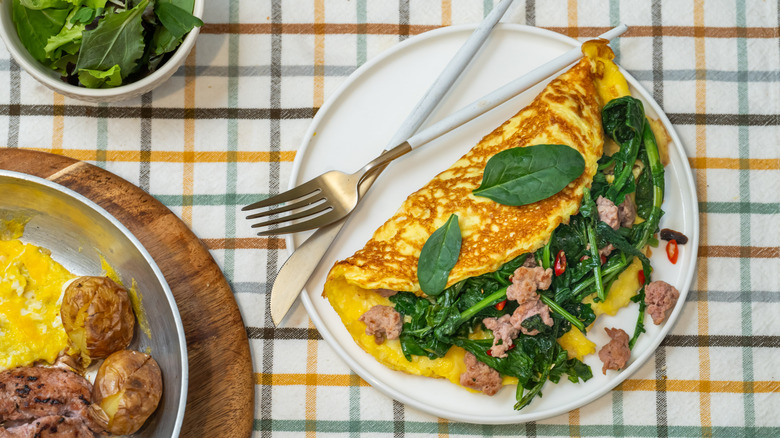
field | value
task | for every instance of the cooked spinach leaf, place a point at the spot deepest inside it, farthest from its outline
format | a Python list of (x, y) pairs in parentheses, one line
[(623, 120), (438, 257), (520, 176)]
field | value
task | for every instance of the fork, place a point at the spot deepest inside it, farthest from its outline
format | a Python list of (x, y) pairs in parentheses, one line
[(334, 194)]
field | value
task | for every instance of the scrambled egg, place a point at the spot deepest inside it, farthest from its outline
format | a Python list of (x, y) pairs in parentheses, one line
[(31, 285)]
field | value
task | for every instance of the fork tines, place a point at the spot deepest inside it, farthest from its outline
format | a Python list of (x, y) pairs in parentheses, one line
[(290, 201)]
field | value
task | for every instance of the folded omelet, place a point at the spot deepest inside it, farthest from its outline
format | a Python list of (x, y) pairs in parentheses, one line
[(567, 111)]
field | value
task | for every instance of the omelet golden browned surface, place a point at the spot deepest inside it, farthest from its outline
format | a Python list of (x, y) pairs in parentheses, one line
[(567, 112)]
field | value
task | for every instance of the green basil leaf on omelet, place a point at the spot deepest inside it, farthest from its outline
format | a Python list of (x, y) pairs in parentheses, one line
[(438, 257), (525, 175)]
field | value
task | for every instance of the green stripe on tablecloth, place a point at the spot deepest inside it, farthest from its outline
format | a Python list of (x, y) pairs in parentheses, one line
[(242, 199), (739, 207), (229, 199), (361, 37), (745, 239), (354, 381), (376, 427), (614, 20), (102, 138)]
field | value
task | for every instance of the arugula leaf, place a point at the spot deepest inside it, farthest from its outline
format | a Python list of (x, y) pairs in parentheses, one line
[(438, 257), (521, 176), (176, 20), (117, 40), (35, 27), (39, 5), (163, 40), (83, 16), (65, 64), (101, 79), (94, 4), (68, 41)]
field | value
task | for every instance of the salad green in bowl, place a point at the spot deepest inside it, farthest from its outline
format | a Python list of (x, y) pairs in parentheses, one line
[(100, 50)]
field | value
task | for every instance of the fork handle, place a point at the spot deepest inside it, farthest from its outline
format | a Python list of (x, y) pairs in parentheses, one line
[(503, 94), (379, 163)]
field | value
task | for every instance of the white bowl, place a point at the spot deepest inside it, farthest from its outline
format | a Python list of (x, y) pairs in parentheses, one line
[(52, 79)]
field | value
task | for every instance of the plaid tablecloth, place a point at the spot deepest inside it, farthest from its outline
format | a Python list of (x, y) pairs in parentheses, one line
[(227, 126)]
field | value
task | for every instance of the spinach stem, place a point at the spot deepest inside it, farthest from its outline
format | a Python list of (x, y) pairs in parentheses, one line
[(546, 253), (594, 252), (657, 172), (561, 311), (608, 271), (500, 295), (640, 320), (489, 300)]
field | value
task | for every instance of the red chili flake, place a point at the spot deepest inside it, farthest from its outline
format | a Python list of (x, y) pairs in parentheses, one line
[(603, 259), (641, 276), (672, 252), (500, 306), (560, 263), (490, 350)]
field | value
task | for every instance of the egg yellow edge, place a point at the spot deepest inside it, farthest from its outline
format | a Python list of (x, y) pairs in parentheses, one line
[(31, 285)]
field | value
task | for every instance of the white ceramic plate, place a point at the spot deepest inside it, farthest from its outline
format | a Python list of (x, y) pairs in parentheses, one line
[(354, 126)]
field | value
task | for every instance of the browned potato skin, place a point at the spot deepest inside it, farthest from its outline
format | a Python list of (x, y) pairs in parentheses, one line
[(139, 376), (107, 313)]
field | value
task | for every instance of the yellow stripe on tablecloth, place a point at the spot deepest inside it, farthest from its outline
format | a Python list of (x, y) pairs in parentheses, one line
[(672, 385), (446, 12), (734, 163), (58, 124), (702, 386), (176, 156), (295, 379), (188, 157), (701, 187)]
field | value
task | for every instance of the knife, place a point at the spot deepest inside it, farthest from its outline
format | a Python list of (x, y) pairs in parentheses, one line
[(298, 268)]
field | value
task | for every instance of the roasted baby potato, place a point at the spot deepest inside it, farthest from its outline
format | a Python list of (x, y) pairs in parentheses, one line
[(127, 388), (97, 316)]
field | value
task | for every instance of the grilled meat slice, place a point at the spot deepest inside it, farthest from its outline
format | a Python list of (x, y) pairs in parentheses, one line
[(29, 394), (53, 426)]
